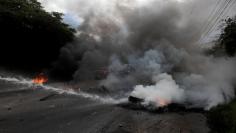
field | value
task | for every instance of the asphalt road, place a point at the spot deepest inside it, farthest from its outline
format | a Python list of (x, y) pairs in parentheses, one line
[(35, 110)]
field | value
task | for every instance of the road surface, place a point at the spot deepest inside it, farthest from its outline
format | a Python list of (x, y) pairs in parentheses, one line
[(36, 110)]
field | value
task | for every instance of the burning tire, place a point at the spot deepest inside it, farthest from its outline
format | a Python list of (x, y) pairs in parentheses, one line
[(136, 100)]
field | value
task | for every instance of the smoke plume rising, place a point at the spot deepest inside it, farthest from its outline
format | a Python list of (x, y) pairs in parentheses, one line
[(150, 49)]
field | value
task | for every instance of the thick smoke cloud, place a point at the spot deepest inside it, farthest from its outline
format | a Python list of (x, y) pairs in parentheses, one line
[(162, 93), (151, 51)]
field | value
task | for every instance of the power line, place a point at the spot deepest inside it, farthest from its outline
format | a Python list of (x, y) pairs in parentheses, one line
[(212, 17), (224, 8), (219, 17), (229, 9)]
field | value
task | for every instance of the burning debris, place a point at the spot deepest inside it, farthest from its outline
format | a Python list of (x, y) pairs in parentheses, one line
[(40, 79), (163, 93), (135, 99), (139, 104)]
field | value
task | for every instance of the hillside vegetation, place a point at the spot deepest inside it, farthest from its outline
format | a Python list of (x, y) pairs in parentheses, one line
[(222, 119), (30, 37)]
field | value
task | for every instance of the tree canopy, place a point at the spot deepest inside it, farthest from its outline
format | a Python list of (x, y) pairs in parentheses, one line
[(226, 44), (228, 37), (30, 36), (222, 119)]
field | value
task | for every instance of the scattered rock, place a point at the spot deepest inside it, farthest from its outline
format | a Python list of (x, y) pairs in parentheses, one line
[(21, 120), (120, 125), (94, 113), (9, 108), (47, 97), (135, 99), (3, 119), (52, 106)]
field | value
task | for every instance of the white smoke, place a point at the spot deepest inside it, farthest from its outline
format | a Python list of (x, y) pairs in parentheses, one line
[(207, 88), (165, 91)]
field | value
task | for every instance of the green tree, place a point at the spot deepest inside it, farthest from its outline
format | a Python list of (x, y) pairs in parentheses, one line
[(228, 37), (30, 37), (222, 119), (226, 44)]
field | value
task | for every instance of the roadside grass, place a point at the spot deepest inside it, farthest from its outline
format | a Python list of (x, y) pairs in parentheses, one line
[(222, 119)]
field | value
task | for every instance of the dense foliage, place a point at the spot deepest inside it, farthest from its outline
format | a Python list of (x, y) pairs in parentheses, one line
[(226, 45), (30, 37), (222, 119)]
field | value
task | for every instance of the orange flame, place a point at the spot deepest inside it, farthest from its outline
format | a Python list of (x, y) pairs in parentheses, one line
[(40, 79), (162, 102)]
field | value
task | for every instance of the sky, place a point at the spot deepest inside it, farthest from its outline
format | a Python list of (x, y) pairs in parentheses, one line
[(74, 10)]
